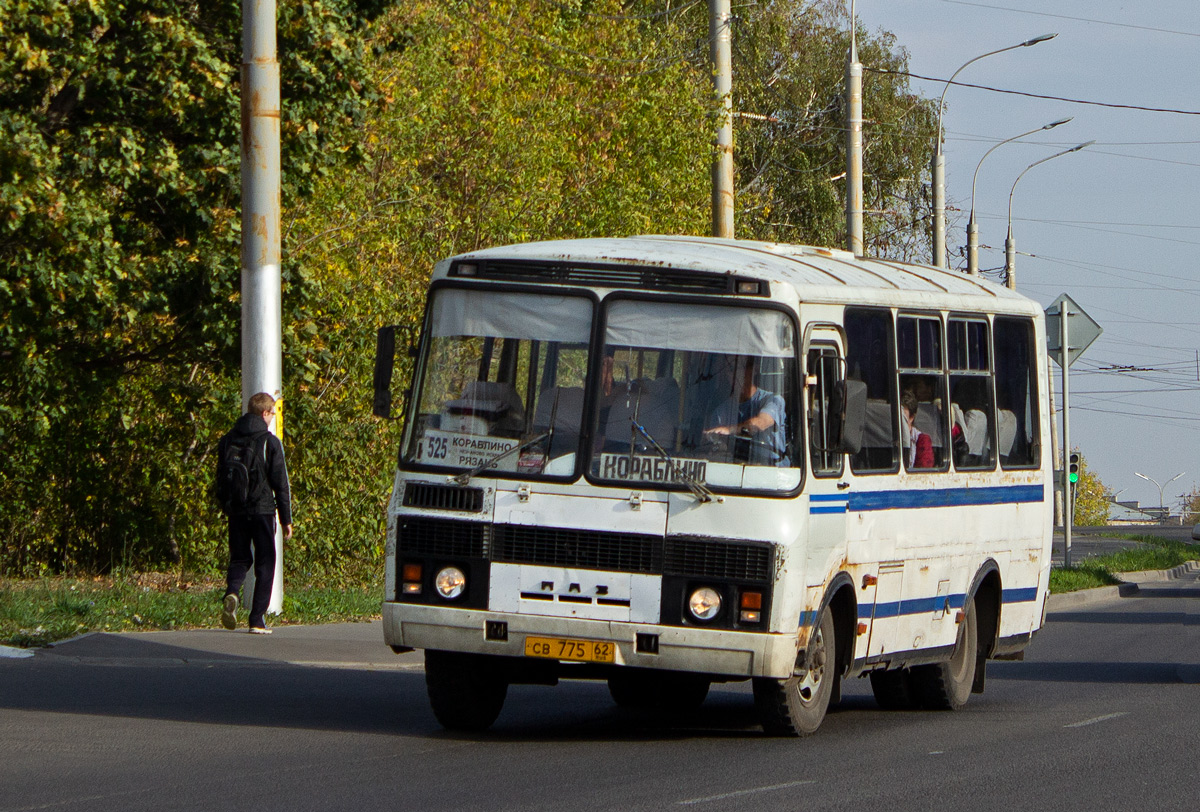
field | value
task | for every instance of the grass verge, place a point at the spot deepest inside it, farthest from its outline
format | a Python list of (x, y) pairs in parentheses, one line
[(1153, 553), (41, 611)]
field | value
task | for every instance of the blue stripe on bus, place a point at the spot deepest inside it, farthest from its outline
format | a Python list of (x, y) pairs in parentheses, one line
[(946, 497), (920, 606), (830, 509), (1020, 595)]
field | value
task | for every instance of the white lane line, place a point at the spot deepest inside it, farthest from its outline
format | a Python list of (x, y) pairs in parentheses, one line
[(741, 792), (1104, 718)]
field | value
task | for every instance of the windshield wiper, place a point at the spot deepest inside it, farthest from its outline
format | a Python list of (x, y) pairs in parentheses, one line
[(465, 477), (698, 489)]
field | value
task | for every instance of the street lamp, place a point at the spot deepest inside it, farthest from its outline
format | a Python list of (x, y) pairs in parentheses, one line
[(939, 159), (1010, 245), (1161, 517), (972, 226)]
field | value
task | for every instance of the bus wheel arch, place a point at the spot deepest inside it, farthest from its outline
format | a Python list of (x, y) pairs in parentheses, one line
[(987, 595)]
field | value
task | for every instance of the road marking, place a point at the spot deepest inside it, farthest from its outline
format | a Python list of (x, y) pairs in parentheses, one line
[(741, 792), (1104, 718)]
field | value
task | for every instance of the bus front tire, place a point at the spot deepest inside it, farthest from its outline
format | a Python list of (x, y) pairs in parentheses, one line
[(947, 686), (466, 691), (796, 706)]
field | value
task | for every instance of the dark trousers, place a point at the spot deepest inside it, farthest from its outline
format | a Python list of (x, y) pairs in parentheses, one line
[(255, 533)]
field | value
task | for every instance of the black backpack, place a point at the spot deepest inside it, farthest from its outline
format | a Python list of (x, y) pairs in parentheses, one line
[(241, 471)]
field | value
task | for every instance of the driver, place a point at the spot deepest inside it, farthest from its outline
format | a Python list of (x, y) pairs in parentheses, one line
[(748, 411)]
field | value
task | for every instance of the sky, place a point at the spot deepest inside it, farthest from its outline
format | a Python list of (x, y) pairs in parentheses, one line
[(1114, 226)]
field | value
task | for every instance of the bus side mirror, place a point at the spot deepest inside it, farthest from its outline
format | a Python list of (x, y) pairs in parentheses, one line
[(385, 359)]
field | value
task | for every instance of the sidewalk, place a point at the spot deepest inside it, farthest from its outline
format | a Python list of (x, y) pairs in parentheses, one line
[(333, 645)]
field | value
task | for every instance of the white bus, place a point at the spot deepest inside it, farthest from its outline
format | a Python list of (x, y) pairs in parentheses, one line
[(665, 462)]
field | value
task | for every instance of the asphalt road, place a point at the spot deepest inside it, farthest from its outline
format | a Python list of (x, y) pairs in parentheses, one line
[(1103, 714)]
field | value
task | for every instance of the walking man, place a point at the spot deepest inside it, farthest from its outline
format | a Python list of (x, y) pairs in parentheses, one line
[(252, 485)]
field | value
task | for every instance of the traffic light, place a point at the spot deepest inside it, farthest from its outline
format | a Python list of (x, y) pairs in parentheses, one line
[(1073, 471)]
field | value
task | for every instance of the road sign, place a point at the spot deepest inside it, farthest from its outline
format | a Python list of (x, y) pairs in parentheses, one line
[(1082, 330)]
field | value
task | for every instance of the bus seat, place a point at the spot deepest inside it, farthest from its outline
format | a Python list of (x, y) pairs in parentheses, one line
[(655, 401), (569, 413), (929, 421), (493, 401), (1006, 432)]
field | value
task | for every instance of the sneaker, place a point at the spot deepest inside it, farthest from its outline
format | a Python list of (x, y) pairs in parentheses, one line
[(259, 630), (229, 611)]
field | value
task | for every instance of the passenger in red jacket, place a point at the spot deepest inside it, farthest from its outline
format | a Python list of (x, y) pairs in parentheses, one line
[(920, 444)]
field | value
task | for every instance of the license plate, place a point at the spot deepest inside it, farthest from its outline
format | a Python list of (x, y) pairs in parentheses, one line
[(559, 648)]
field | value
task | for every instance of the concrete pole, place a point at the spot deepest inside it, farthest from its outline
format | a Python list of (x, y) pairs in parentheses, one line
[(262, 333), (939, 203), (1010, 259), (939, 159), (1065, 362), (719, 17), (1010, 246), (854, 147), (972, 226)]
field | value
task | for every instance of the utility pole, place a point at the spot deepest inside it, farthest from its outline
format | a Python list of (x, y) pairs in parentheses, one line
[(262, 331), (854, 146), (719, 17)]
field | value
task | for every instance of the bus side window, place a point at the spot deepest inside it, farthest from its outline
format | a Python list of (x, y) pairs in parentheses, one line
[(870, 359), (1017, 439), (826, 406)]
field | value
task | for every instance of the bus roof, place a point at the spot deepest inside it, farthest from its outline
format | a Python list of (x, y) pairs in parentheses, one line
[(826, 274)]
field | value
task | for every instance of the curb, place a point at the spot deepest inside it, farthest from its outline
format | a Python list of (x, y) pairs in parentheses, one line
[(1126, 589)]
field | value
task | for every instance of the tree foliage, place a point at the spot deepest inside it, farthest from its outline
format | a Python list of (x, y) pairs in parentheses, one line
[(410, 132), (1092, 497), (119, 248)]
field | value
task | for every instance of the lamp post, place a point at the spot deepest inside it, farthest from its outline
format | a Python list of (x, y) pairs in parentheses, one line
[(972, 226), (1161, 517), (1010, 245), (939, 159)]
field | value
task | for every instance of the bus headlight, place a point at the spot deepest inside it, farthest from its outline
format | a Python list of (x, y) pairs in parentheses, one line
[(450, 582), (704, 603)]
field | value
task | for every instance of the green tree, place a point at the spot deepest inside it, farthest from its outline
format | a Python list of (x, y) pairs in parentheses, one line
[(119, 249), (1092, 497)]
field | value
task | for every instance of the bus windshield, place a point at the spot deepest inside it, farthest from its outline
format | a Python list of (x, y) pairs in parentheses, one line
[(706, 391), (504, 372)]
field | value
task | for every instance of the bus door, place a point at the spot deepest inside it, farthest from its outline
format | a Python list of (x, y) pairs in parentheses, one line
[(828, 488)]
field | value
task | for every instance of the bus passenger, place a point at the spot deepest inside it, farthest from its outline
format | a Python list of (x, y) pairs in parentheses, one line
[(750, 412), (920, 446)]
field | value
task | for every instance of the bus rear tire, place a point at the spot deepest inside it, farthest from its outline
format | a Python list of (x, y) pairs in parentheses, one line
[(947, 686), (796, 706), (894, 689), (658, 690), (466, 691)]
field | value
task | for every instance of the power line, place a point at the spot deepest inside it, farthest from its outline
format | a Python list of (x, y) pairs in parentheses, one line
[(1076, 19), (1036, 95)]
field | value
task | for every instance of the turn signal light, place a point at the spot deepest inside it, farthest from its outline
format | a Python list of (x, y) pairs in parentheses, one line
[(410, 575)]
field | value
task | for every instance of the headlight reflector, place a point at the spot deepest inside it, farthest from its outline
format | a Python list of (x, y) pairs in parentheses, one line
[(704, 603), (450, 582)]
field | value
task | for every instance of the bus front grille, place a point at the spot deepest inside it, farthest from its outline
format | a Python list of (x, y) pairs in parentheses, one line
[(707, 558), (443, 497), (585, 549), (442, 538)]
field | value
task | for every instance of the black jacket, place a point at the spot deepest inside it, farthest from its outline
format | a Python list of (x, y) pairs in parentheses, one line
[(279, 497)]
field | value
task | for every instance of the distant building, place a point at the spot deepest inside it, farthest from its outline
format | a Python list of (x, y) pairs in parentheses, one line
[(1132, 513)]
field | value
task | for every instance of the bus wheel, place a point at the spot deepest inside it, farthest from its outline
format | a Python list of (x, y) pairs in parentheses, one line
[(466, 690), (658, 690), (894, 689), (796, 706), (947, 686)]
